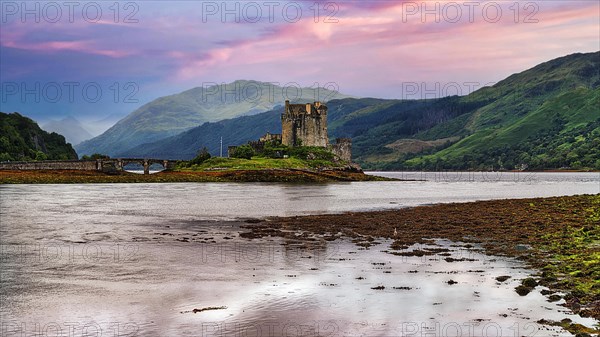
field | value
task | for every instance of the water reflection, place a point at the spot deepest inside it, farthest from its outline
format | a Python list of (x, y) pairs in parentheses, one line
[(141, 257)]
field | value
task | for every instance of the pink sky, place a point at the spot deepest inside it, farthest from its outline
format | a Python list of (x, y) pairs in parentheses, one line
[(368, 48)]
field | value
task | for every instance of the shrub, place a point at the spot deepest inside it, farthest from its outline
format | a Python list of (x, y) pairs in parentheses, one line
[(95, 156), (6, 157), (274, 150), (311, 153), (202, 156), (39, 155), (243, 151)]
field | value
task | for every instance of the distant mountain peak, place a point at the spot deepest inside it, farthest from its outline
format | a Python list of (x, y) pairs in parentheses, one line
[(70, 128)]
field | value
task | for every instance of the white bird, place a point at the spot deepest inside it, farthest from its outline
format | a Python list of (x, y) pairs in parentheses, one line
[(395, 232)]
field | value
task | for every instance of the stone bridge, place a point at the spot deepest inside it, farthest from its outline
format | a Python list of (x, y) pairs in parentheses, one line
[(120, 163), (106, 165)]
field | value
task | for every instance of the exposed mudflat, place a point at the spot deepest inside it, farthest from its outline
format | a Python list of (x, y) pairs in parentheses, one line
[(556, 236), (170, 260)]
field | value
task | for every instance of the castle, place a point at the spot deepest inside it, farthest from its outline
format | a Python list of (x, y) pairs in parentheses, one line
[(304, 125)]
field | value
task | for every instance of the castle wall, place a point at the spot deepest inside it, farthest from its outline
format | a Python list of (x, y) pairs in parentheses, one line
[(313, 130), (343, 149), (304, 124), (287, 131)]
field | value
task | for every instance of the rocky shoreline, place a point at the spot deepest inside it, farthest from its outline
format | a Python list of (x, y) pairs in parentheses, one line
[(558, 237), (268, 175)]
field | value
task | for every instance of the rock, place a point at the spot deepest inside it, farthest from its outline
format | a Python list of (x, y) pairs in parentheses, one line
[(208, 308), (523, 290), (502, 278), (554, 298), (522, 248), (529, 282)]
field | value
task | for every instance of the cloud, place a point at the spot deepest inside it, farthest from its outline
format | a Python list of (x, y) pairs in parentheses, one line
[(371, 47), (85, 47)]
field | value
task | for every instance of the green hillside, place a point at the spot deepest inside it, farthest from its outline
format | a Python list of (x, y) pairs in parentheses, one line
[(529, 120), (21, 139), (171, 115), (564, 132), (546, 117)]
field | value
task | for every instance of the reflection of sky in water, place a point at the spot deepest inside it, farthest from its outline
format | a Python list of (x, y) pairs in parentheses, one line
[(303, 288), (149, 279), (139, 203)]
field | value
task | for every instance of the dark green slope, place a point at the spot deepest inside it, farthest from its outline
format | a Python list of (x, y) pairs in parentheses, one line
[(522, 93), (21, 139), (530, 116), (562, 133), (234, 132), (555, 98), (388, 122)]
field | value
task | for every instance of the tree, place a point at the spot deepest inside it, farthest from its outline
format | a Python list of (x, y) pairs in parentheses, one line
[(202, 156), (6, 157), (95, 156), (243, 151), (39, 155)]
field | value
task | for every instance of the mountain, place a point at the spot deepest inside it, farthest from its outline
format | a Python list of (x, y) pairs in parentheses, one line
[(171, 115), (99, 126), (234, 132), (22, 139), (346, 118), (545, 117), (69, 127)]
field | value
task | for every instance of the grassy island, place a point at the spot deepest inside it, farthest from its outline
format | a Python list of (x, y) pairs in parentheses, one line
[(296, 165)]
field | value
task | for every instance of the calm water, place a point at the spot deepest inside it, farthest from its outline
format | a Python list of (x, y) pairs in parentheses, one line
[(136, 259)]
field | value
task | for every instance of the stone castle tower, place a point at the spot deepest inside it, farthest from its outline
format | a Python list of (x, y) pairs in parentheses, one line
[(304, 125)]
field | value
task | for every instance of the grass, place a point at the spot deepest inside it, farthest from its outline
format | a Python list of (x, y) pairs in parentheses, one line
[(254, 175), (258, 163), (575, 254)]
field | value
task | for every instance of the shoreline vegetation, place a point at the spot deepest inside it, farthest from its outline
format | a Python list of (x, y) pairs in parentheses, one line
[(217, 170), (271, 163), (558, 237), (304, 164), (275, 175), (283, 175)]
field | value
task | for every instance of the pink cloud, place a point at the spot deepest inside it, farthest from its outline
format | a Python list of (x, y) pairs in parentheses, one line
[(370, 45), (379, 47), (55, 46)]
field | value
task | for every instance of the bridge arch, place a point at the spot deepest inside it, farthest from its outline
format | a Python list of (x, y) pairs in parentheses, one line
[(120, 163)]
